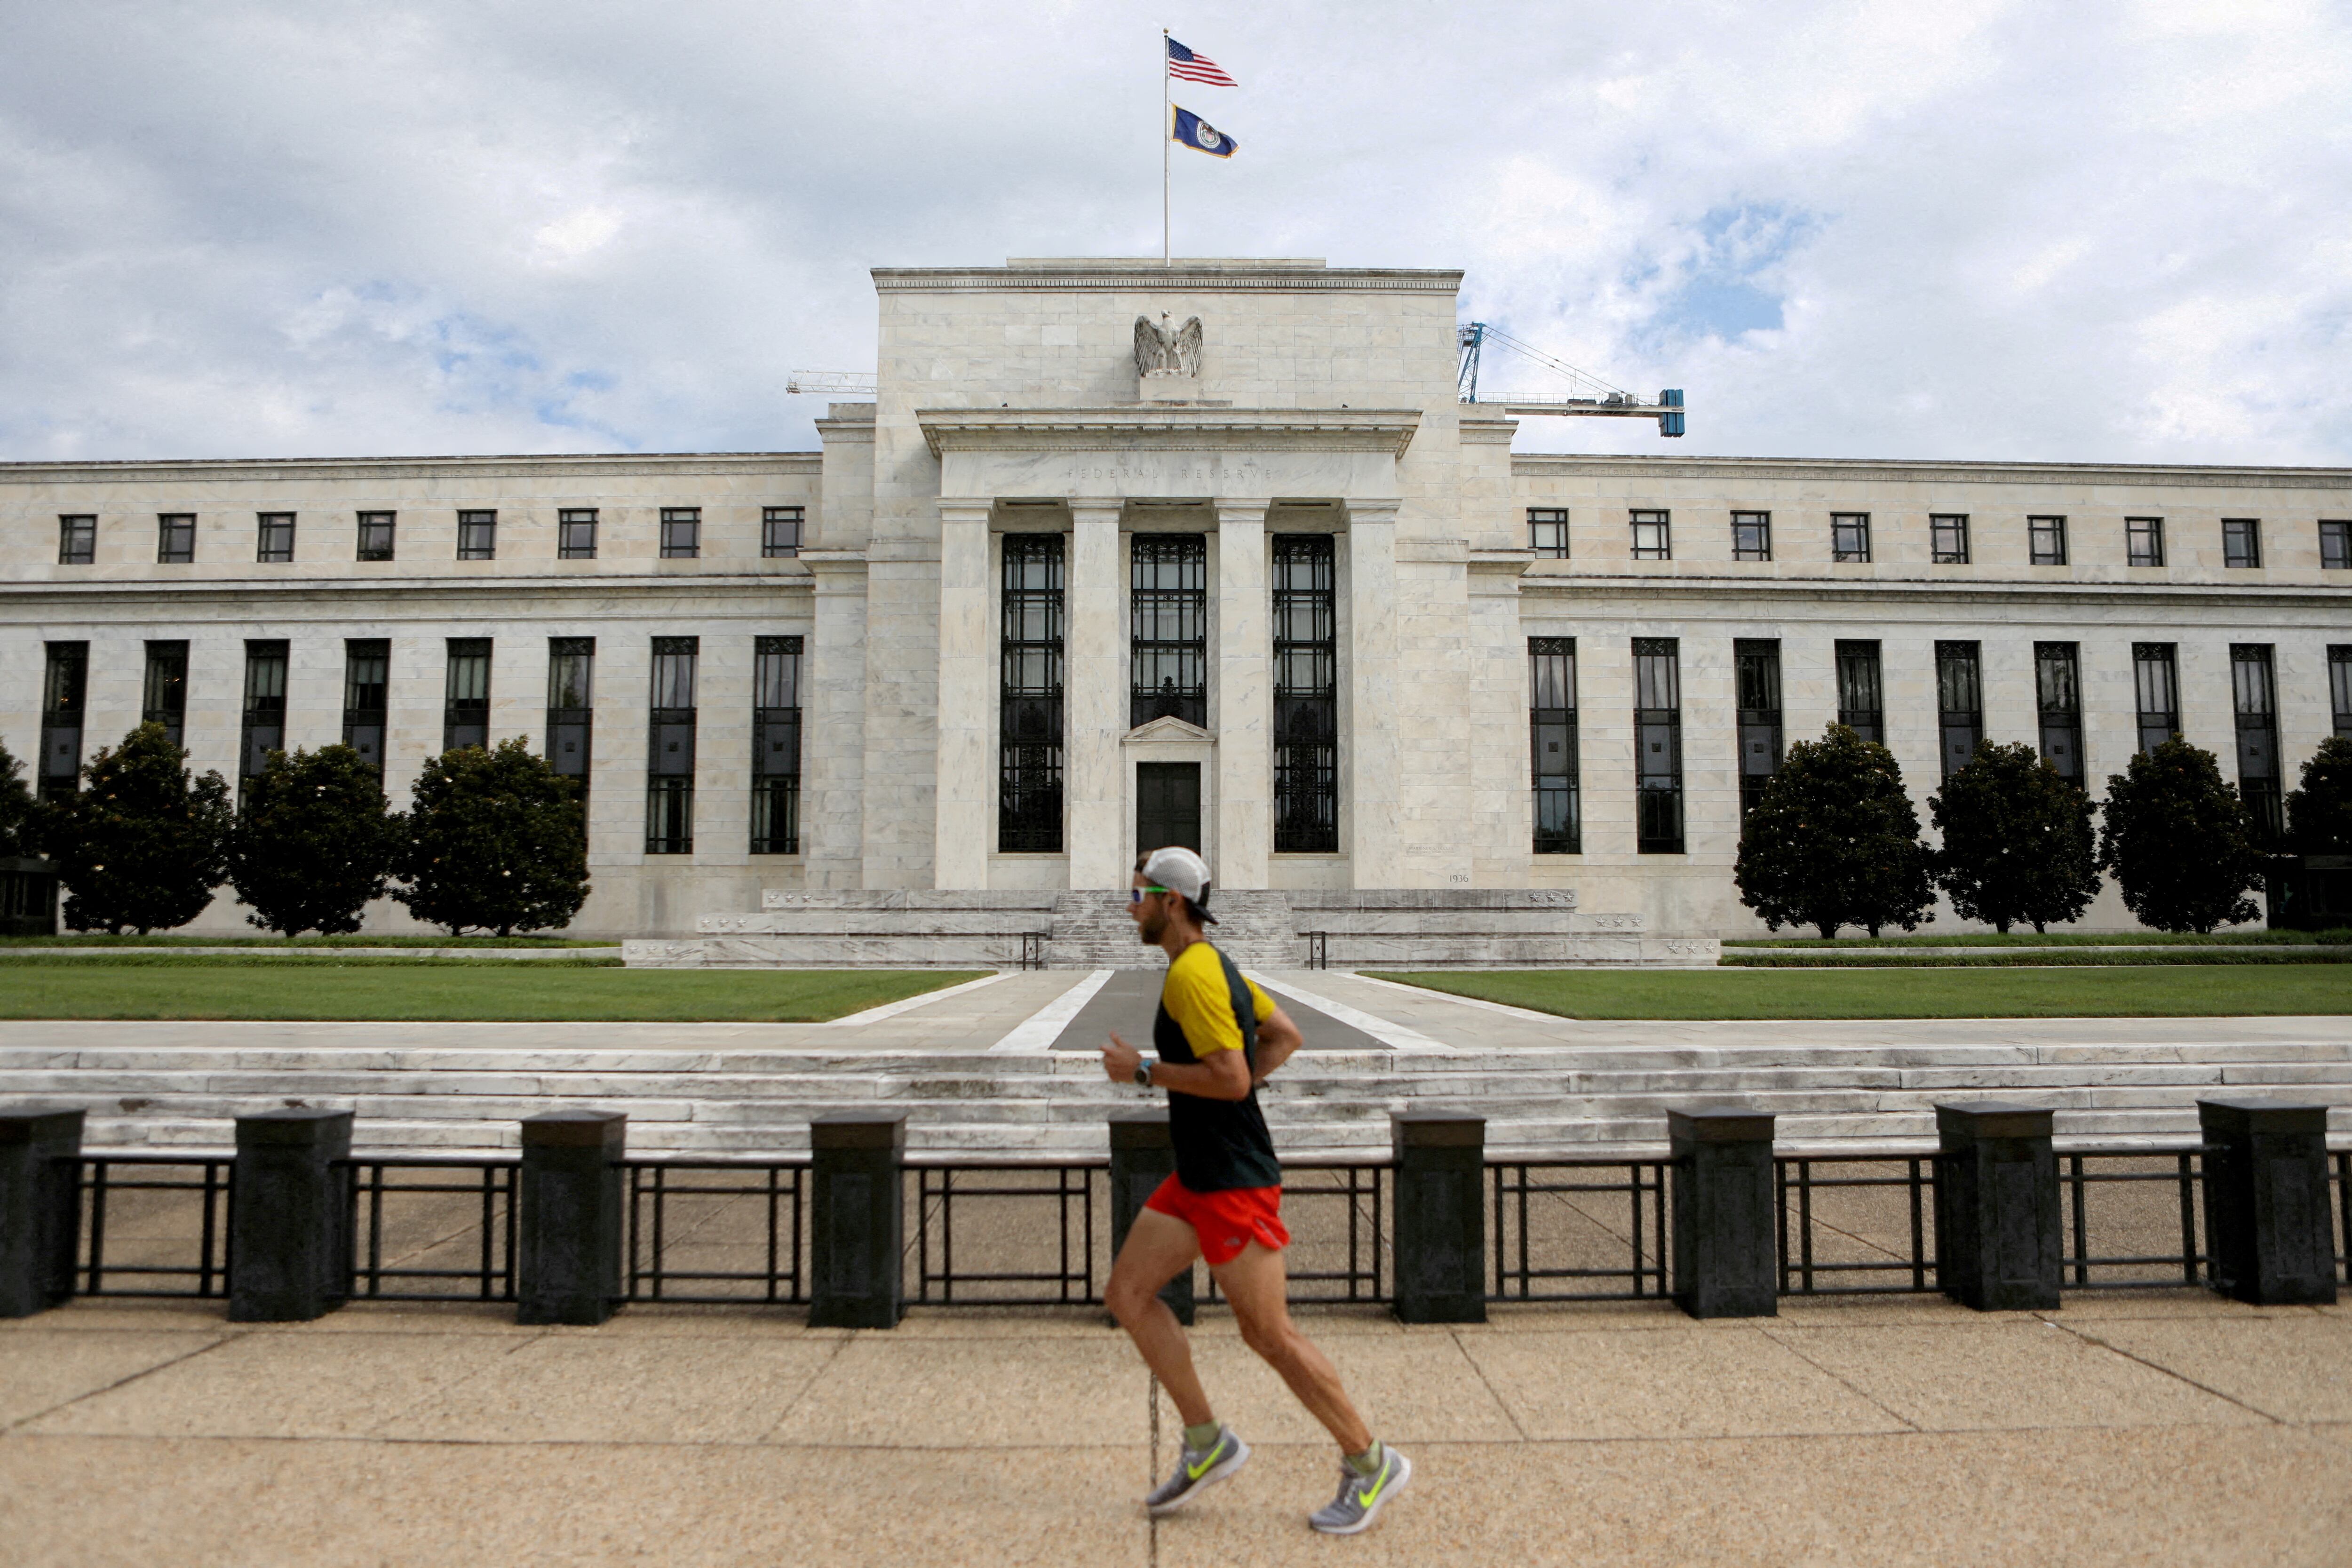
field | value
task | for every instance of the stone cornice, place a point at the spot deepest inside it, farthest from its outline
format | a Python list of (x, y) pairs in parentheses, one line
[(1901, 471), (1191, 278), (283, 470), (1759, 591), (394, 593), (1147, 427)]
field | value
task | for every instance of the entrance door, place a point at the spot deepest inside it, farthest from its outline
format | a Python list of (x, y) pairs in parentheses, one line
[(1167, 805)]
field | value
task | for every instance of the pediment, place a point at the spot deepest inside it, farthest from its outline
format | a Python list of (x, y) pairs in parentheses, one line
[(1168, 728)]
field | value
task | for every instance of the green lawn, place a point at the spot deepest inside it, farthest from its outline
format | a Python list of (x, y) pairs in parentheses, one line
[(266, 943), (2175, 992), (2010, 958), (424, 990), (2055, 939)]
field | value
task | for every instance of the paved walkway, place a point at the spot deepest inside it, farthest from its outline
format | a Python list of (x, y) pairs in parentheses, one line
[(2169, 1426)]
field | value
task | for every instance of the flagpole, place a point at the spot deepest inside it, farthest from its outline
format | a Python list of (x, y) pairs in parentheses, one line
[(1164, 139)]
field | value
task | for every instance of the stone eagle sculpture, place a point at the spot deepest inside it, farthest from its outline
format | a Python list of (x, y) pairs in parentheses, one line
[(1160, 350)]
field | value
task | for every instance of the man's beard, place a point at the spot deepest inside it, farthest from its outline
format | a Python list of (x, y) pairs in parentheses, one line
[(1150, 928)]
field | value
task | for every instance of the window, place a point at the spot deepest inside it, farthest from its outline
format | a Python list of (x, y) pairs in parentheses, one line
[(2144, 540), (1029, 697), (2255, 696), (2058, 692), (2046, 541), (2339, 685), (1168, 629), (1960, 702), (779, 529), (2155, 680), (2336, 546), (466, 695), (681, 533), (2242, 541), (1657, 746), (570, 707), (76, 540), (1653, 536), (274, 536), (1548, 532), (1948, 538), (163, 696), (63, 688), (1756, 673), (1551, 730), (478, 536), (1306, 694), (1850, 536), (367, 697), (176, 538), (1862, 702), (669, 758), (265, 709), (376, 535), (1751, 536), (575, 533), (776, 746)]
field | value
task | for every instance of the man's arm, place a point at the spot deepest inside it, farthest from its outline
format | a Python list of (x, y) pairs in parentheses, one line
[(1222, 1075), (1277, 1036)]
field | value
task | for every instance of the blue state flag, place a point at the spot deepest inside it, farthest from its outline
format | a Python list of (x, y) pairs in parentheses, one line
[(1200, 136)]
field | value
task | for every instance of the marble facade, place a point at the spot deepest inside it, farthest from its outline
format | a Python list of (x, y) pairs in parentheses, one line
[(1009, 401)]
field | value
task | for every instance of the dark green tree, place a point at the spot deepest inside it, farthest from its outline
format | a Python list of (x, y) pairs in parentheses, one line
[(314, 843), (143, 842), (19, 816), (494, 842), (2319, 814), (1835, 841), (2178, 841), (2018, 843)]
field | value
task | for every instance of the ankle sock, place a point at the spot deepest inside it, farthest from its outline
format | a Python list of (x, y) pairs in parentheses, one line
[(1198, 1438), (1367, 1463)]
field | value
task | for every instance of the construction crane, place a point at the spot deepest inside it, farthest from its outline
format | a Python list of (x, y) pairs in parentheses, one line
[(831, 381), (1590, 397)]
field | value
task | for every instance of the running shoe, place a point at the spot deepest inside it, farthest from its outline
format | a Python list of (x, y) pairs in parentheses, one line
[(1198, 1470), (1361, 1498)]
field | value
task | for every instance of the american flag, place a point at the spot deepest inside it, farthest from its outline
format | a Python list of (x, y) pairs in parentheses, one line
[(1186, 65)]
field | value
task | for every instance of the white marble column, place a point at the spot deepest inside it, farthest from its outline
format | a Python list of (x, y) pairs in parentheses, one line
[(966, 813), (832, 723), (1371, 754), (1094, 701), (1244, 694), (1500, 830)]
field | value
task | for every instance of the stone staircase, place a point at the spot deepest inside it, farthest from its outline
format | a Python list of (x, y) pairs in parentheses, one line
[(1094, 930), (747, 1102)]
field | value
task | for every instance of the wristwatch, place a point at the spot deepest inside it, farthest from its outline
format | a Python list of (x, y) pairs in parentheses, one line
[(1143, 1074)]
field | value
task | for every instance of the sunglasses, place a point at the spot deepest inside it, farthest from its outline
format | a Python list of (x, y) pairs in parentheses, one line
[(1135, 895)]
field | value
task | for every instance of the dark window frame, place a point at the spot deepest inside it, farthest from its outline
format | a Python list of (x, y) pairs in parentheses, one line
[(2241, 542), (268, 666), (1662, 547), (377, 539), (670, 752), (367, 698), (2339, 686), (681, 533), (776, 675), (1168, 628), (1033, 622), (1960, 702), (575, 533), (1547, 534), (1948, 538), (2156, 692), (273, 541), (176, 538), (1850, 538), (65, 705), (781, 531), (571, 709), (1658, 825), (1555, 770), (1861, 688), (76, 539), (163, 687), (1305, 626), (2143, 542), (2058, 701), (2334, 544), (2046, 540), (466, 693), (2253, 692), (477, 535), (1756, 693), (1751, 536)]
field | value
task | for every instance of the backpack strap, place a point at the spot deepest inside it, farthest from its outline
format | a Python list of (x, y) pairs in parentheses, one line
[(1245, 1008)]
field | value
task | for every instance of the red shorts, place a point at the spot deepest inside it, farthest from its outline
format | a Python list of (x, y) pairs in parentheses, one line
[(1225, 1222)]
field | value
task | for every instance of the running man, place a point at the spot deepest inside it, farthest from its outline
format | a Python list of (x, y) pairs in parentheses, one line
[(1218, 1036)]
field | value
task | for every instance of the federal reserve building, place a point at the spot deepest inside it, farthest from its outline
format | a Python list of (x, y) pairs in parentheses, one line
[(1123, 554)]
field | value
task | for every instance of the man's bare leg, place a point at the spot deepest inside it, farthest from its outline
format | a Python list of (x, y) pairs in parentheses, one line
[(1159, 1247), (1257, 1286)]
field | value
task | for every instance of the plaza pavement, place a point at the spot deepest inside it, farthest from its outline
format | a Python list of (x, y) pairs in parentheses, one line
[(2143, 1426)]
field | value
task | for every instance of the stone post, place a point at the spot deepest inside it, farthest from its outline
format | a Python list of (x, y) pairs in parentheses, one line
[(1998, 1244), (1725, 1248), (2268, 1226), (290, 1216), (568, 1243), (1244, 694), (1142, 1157), (1441, 1237), (1094, 688), (1371, 756), (40, 1207), (833, 751), (966, 806), (857, 1222)]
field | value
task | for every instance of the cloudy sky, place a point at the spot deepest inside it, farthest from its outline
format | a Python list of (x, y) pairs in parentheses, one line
[(1952, 228)]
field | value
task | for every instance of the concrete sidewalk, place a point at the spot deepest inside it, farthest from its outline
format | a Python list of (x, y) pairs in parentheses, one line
[(2163, 1424)]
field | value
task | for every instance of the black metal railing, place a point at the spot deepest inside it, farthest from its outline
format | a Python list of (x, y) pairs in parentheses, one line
[(1857, 1235), (1022, 1266), (686, 1218), (1319, 948), (2343, 1216), (1341, 1245), (1032, 948), (2080, 1176), (137, 1216), (428, 1215), (1581, 1213)]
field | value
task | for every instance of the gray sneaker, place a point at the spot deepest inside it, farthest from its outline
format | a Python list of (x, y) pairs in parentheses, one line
[(1198, 1470), (1361, 1498)]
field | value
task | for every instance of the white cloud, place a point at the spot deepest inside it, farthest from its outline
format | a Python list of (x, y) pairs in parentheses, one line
[(1972, 229)]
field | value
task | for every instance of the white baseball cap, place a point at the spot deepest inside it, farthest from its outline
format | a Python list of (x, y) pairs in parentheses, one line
[(1180, 871)]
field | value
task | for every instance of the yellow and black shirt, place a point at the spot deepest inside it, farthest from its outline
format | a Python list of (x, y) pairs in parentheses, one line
[(1206, 1006)]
